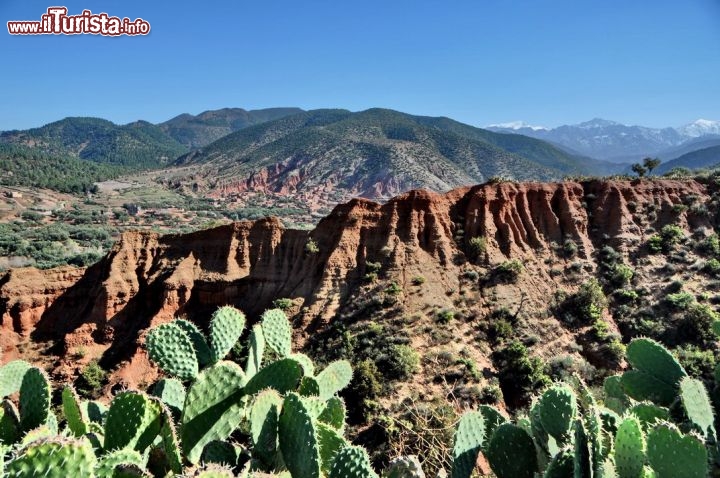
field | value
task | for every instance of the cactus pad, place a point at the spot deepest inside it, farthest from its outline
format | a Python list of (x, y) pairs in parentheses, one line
[(35, 394), (629, 448), (264, 416), (657, 373), (352, 462), (334, 413), (511, 452), (133, 421), (697, 405), (56, 458), (557, 409), (226, 326), (331, 442), (171, 392), (649, 414), (212, 408), (11, 377), (334, 378), (106, 467), (672, 454), (9, 423), (202, 350), (283, 376), (309, 387), (74, 415), (298, 439), (469, 439), (306, 362), (170, 347), (277, 331), (255, 351)]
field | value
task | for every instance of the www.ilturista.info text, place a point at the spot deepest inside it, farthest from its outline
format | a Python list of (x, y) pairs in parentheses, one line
[(57, 22)]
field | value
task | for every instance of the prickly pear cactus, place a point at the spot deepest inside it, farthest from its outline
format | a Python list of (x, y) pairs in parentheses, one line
[(469, 439), (255, 352), (9, 423), (697, 405), (53, 458), (202, 350), (334, 413), (334, 378), (133, 421), (226, 326), (171, 349), (557, 409), (352, 462), (171, 392), (35, 394), (630, 448), (264, 416), (672, 454), (283, 376), (511, 452), (106, 467), (331, 442), (649, 414), (76, 420), (212, 408), (277, 331), (656, 375), (11, 377), (306, 362), (298, 438), (561, 466)]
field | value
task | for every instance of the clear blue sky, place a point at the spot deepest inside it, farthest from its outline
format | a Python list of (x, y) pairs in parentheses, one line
[(547, 62)]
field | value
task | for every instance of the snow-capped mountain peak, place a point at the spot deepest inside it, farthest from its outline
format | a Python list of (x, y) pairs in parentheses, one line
[(699, 128), (515, 125), (597, 123)]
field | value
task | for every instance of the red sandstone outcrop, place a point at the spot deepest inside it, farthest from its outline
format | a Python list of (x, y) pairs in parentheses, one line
[(147, 279)]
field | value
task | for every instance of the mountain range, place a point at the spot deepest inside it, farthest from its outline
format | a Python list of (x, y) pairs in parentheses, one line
[(612, 141), (374, 153)]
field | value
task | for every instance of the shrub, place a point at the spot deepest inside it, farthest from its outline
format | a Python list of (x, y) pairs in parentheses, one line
[(711, 245), (401, 362), (478, 246), (622, 275), (712, 267), (92, 379), (418, 280), (282, 304), (671, 235), (373, 266), (519, 373), (585, 306), (680, 300), (655, 244), (570, 248), (393, 288), (311, 247), (508, 271), (444, 316)]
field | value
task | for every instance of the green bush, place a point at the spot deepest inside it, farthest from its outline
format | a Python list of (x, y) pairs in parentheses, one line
[(622, 275), (712, 267), (478, 246), (444, 316), (282, 304), (311, 247), (508, 271), (418, 280), (680, 300), (519, 373), (393, 288), (585, 306), (92, 379), (401, 362)]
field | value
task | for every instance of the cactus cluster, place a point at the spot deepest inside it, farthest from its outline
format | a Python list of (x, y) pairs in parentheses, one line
[(211, 417)]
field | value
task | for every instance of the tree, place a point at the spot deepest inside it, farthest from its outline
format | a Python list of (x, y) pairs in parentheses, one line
[(639, 169), (650, 164)]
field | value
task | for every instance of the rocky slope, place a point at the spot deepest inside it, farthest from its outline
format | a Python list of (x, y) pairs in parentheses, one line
[(404, 262)]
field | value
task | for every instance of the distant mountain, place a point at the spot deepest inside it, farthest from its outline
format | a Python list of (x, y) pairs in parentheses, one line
[(376, 153), (138, 145), (201, 130), (700, 127), (695, 144), (703, 158), (608, 140)]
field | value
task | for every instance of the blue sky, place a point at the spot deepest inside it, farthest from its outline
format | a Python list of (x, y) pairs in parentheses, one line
[(547, 62)]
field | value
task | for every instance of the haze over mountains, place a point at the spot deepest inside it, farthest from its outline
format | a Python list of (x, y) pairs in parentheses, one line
[(612, 141), (374, 153)]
